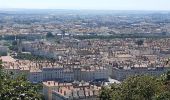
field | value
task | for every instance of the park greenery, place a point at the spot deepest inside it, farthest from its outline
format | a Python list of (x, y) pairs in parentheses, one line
[(139, 88), (31, 57), (18, 88), (138, 36), (49, 35), (139, 42), (27, 56)]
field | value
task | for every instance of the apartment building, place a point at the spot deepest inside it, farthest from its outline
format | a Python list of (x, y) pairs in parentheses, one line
[(70, 91)]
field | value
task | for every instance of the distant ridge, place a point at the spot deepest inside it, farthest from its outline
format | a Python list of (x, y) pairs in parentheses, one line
[(76, 11)]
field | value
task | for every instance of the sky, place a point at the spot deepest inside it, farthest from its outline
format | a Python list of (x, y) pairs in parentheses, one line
[(88, 4)]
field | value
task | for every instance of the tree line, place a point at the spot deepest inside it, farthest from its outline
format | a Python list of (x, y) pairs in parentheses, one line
[(139, 88), (18, 88)]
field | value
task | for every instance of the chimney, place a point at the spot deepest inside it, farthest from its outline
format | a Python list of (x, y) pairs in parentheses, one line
[(93, 92), (48, 83), (84, 92), (89, 92), (61, 91), (64, 93), (78, 93)]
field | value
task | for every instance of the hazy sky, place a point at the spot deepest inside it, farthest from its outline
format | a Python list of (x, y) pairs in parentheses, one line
[(88, 4)]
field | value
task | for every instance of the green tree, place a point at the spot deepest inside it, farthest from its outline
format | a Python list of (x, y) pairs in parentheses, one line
[(18, 88), (138, 88), (105, 93), (141, 87), (49, 35), (139, 42)]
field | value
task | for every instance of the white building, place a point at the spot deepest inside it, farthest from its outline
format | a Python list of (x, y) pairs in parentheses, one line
[(121, 74), (90, 75)]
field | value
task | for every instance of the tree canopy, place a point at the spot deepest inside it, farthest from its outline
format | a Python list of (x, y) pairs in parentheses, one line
[(139, 42), (139, 88), (49, 35), (18, 88)]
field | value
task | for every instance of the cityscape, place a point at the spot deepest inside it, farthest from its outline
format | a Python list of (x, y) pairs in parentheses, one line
[(70, 54)]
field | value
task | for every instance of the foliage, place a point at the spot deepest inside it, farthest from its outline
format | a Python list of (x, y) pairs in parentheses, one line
[(105, 93), (122, 36), (14, 43), (49, 35), (139, 42), (18, 88), (138, 88), (27, 56)]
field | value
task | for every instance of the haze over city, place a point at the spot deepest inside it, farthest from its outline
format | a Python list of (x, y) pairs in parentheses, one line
[(84, 50), (87, 4)]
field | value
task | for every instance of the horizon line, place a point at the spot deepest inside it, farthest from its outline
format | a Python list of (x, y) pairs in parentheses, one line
[(84, 9)]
